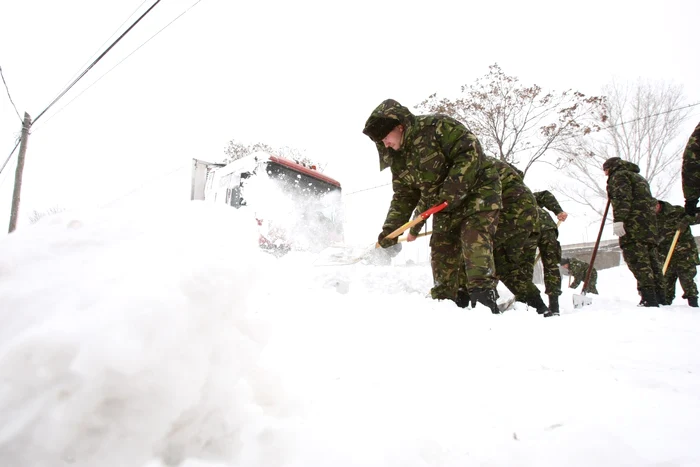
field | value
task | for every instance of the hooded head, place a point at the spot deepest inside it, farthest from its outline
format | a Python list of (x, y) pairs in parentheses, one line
[(383, 119), (379, 128), (611, 163), (617, 163)]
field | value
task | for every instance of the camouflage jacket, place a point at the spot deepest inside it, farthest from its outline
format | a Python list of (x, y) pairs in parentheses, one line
[(545, 199), (690, 171), (578, 270), (668, 219), (519, 210), (632, 202), (439, 160)]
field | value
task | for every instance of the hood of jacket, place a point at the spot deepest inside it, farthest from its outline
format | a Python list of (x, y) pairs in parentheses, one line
[(621, 164), (393, 110)]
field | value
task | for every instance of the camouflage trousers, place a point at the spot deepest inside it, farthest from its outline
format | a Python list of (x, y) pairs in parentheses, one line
[(515, 263), (464, 253), (643, 261), (685, 273), (550, 253)]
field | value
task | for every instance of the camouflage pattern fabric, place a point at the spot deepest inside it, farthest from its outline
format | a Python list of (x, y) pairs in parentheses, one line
[(517, 234), (463, 256), (548, 243), (690, 171), (578, 270), (440, 160), (684, 261), (545, 199), (550, 254), (634, 206)]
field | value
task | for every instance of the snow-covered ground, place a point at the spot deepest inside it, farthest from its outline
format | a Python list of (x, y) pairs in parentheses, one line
[(150, 336)]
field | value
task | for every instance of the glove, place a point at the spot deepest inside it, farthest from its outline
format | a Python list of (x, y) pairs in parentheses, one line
[(386, 242), (619, 229), (691, 206)]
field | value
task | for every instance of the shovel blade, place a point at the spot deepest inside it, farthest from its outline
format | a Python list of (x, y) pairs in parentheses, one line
[(581, 301)]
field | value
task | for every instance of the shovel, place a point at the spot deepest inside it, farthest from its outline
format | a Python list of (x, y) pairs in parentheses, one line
[(582, 300), (343, 255)]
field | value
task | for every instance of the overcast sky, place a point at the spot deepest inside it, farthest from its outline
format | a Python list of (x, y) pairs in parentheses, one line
[(300, 74)]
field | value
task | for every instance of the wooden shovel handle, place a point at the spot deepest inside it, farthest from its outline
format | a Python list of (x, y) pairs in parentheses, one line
[(420, 218), (670, 251)]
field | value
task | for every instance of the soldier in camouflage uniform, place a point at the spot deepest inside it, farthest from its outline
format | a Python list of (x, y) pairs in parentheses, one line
[(684, 261), (634, 221), (516, 237), (549, 246), (690, 173), (578, 270), (434, 158)]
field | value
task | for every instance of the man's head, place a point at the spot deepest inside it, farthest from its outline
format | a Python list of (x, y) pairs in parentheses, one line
[(565, 263), (385, 130), (610, 163)]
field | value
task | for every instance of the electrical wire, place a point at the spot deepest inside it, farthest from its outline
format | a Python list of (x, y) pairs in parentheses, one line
[(96, 60), (147, 182), (8, 157), (8, 94), (121, 61), (107, 40)]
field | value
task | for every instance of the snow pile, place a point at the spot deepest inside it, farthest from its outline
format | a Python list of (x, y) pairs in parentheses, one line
[(129, 335)]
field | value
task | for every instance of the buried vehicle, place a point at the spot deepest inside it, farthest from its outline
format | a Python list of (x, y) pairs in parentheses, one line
[(296, 206)]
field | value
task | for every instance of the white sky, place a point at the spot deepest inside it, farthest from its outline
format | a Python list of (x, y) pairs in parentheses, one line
[(129, 334), (299, 74)]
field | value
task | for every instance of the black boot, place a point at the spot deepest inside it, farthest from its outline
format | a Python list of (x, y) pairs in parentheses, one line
[(538, 304), (553, 306), (462, 299), (649, 298), (693, 301), (486, 297), (661, 297)]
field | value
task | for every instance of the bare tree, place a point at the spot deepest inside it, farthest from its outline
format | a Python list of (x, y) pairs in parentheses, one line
[(644, 123), (514, 121)]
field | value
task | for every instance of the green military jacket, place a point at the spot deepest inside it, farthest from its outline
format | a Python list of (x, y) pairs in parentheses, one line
[(668, 219), (545, 199), (519, 210), (439, 160), (578, 270), (632, 202), (690, 170)]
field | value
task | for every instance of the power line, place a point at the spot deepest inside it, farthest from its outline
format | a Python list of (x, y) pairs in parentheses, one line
[(124, 59), (110, 37), (8, 95), (8, 157), (146, 183), (96, 60)]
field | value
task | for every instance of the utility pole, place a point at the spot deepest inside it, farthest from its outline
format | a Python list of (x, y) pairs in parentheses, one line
[(18, 173)]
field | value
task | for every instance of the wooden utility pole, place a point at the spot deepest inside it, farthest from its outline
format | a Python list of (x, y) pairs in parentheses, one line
[(18, 173)]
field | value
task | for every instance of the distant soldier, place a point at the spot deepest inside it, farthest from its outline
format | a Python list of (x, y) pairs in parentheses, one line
[(578, 270), (634, 222), (435, 158), (684, 261), (549, 246), (690, 173)]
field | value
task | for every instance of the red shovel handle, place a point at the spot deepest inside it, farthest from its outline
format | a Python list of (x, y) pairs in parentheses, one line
[(420, 218), (433, 210)]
